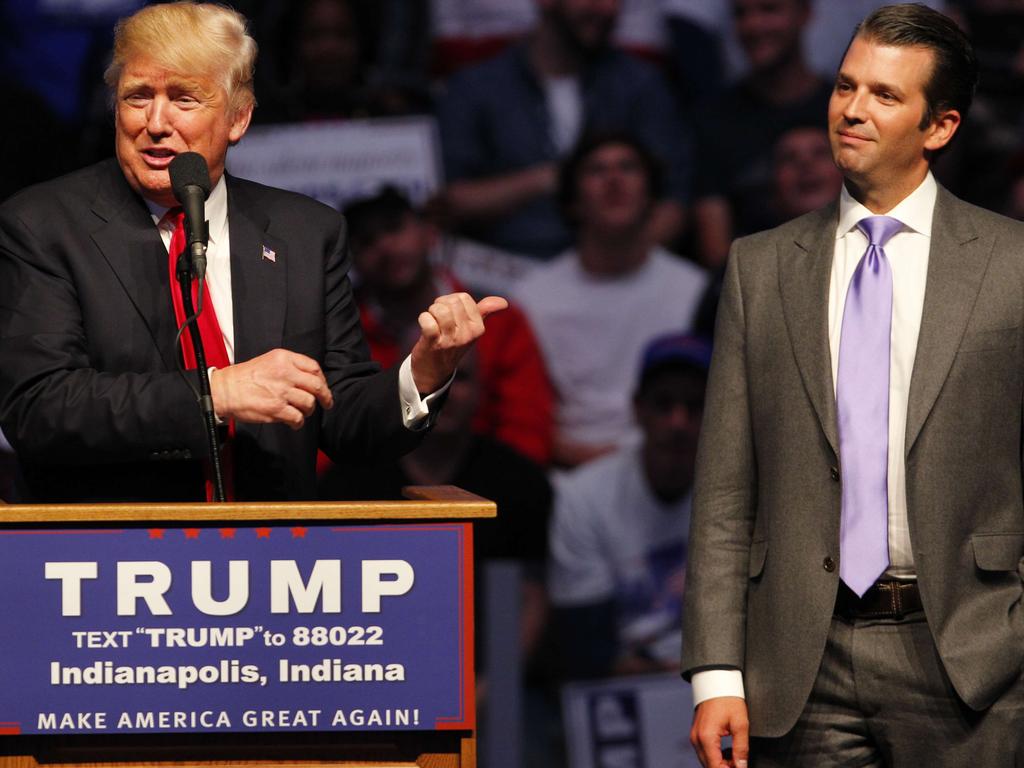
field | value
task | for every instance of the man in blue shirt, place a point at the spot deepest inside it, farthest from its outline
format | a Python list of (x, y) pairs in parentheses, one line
[(507, 122)]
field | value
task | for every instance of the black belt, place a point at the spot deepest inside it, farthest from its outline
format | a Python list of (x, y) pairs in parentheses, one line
[(891, 599)]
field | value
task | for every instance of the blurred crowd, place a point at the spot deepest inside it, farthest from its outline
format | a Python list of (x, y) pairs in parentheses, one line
[(618, 146)]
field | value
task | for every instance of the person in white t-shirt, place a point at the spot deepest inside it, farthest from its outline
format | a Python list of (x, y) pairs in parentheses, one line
[(594, 307), (619, 531)]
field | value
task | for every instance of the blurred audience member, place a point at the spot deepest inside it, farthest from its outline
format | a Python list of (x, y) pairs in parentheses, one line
[(695, 49), (404, 46), (594, 306), (804, 177), (976, 166), (391, 245), (618, 536), (736, 134), (321, 65), (506, 123)]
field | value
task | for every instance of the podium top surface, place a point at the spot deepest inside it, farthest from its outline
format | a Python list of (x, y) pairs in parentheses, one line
[(443, 502)]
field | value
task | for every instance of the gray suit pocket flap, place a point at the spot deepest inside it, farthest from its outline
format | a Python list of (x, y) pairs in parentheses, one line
[(758, 553), (998, 338), (998, 551)]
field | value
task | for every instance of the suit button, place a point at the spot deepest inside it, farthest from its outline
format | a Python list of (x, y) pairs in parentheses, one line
[(829, 564), (834, 472)]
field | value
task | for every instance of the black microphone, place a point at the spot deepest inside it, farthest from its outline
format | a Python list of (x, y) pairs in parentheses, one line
[(190, 182)]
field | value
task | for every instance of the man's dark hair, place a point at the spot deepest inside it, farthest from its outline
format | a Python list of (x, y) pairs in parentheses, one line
[(569, 172), (954, 75), (370, 217)]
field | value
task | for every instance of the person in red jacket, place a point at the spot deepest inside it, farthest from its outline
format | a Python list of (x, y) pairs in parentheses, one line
[(391, 245)]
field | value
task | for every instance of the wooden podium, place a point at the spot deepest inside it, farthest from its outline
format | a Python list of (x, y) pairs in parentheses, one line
[(443, 747)]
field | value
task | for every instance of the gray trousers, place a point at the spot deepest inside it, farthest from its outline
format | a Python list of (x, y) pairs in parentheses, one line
[(882, 698)]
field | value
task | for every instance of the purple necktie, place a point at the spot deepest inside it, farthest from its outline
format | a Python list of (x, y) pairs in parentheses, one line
[(862, 401)]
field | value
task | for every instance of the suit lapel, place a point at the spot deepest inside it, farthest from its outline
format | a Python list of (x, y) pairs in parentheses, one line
[(259, 283), (957, 262), (805, 266), (131, 245)]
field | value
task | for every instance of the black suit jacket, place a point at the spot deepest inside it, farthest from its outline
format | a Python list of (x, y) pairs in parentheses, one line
[(90, 396)]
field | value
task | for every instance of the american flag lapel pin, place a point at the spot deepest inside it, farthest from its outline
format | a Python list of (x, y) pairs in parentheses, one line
[(269, 255)]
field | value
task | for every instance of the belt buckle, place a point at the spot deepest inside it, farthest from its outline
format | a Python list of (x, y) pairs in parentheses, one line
[(895, 597)]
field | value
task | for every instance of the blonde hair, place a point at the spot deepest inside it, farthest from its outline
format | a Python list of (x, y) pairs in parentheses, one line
[(190, 38)]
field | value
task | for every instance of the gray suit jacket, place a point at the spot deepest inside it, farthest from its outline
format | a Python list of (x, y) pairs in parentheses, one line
[(764, 542)]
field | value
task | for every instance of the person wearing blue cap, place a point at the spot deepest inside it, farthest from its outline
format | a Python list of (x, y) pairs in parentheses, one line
[(618, 536)]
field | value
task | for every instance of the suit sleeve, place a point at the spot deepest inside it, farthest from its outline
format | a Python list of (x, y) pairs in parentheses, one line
[(725, 497), (366, 420), (56, 403)]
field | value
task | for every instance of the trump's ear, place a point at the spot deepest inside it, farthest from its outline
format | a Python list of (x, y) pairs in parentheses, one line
[(240, 124)]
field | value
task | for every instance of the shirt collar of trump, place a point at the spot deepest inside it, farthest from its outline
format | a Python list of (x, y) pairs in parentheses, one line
[(915, 210), (216, 210)]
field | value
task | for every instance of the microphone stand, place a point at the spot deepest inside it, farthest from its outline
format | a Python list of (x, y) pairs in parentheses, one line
[(184, 274)]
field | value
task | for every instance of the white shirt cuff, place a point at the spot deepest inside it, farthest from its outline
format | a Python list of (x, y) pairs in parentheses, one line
[(415, 409), (209, 375), (712, 683)]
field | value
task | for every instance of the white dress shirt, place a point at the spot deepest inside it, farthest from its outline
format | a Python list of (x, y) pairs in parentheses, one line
[(415, 409), (907, 252)]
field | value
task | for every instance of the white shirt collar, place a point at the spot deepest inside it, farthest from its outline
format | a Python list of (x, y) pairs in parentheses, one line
[(216, 210), (915, 210)]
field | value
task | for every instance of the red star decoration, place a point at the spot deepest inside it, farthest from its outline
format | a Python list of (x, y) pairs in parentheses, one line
[(156, 533), (262, 533), (227, 533), (191, 533), (298, 532)]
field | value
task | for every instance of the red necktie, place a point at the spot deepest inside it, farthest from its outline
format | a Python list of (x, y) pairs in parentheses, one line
[(213, 342)]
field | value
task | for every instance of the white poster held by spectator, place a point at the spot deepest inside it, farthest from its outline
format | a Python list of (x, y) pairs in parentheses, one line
[(339, 161), (629, 722)]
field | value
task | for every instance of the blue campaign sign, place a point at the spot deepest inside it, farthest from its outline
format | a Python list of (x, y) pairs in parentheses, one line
[(316, 628)]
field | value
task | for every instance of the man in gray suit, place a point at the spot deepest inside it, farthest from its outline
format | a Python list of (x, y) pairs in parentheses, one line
[(855, 573)]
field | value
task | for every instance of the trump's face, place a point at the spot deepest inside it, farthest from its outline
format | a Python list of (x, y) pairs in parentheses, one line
[(160, 114)]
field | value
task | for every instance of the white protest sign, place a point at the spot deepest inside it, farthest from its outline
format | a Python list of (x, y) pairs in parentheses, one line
[(339, 161), (629, 722)]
